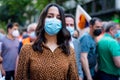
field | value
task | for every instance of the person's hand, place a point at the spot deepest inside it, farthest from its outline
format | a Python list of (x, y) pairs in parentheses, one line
[(3, 72)]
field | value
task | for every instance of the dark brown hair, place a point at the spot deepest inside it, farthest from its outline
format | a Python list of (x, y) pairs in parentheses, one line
[(71, 16), (11, 25), (93, 20), (63, 35)]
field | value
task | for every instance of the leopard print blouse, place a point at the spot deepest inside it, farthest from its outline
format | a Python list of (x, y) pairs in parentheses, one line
[(46, 66)]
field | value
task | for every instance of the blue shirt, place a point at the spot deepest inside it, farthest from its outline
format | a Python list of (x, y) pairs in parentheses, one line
[(88, 45), (9, 53)]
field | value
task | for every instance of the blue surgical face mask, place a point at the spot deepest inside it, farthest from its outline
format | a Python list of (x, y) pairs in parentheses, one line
[(70, 29), (117, 35), (32, 35), (52, 26)]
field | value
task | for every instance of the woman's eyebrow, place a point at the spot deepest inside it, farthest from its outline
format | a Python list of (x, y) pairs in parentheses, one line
[(50, 13)]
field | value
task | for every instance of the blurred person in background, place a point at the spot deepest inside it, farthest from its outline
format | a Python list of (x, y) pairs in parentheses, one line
[(117, 36), (74, 43), (88, 55), (29, 36), (2, 33), (9, 50), (108, 54), (24, 34), (104, 23), (1, 59), (70, 26)]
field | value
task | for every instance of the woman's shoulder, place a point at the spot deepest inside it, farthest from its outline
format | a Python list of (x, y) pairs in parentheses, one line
[(27, 46), (72, 52), (72, 55), (26, 50), (71, 49)]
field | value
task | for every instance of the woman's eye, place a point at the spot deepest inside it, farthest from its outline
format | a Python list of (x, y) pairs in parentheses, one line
[(58, 17), (49, 16)]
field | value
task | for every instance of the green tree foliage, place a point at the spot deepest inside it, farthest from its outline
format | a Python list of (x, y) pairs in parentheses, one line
[(22, 10), (14, 10), (40, 4)]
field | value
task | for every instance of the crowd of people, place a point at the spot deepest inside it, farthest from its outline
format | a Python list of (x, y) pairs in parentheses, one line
[(53, 49)]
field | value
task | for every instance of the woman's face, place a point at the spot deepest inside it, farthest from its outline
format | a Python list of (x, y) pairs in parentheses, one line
[(53, 12), (53, 23)]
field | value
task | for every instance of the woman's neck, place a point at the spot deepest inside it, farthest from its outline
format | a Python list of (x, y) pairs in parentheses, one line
[(51, 42), (51, 39)]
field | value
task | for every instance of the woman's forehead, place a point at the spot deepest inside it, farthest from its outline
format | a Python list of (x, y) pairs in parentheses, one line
[(53, 10)]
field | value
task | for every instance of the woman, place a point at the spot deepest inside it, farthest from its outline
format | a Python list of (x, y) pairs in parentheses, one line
[(50, 57)]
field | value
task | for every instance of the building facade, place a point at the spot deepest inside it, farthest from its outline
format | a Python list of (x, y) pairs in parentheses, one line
[(104, 9)]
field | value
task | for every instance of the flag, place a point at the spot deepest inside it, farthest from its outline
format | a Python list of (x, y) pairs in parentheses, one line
[(82, 19)]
